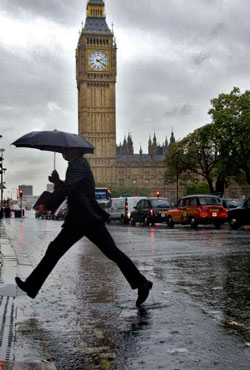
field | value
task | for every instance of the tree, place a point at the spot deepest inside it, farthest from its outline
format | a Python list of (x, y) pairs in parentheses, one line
[(197, 156), (174, 162), (194, 187), (231, 124)]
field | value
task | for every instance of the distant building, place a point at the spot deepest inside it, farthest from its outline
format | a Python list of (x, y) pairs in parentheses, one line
[(27, 189)]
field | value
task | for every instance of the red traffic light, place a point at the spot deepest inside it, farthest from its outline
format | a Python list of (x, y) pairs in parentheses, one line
[(158, 193), (20, 193)]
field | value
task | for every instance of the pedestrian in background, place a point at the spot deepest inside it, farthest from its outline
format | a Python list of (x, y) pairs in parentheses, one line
[(85, 218)]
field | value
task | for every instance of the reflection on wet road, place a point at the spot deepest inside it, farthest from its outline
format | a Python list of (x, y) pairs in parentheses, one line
[(85, 316)]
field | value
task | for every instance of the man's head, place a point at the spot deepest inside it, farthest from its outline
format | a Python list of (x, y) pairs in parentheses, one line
[(71, 153)]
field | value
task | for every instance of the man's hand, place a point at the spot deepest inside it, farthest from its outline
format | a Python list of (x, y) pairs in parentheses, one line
[(54, 177), (41, 209)]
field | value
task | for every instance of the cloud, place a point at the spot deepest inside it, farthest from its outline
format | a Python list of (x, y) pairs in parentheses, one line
[(59, 11), (178, 110)]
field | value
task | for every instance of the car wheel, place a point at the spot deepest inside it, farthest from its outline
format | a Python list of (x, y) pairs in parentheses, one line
[(217, 225), (234, 223), (125, 220), (170, 222), (132, 221), (193, 223)]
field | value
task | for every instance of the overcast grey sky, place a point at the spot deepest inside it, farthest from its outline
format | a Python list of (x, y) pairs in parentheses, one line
[(174, 56)]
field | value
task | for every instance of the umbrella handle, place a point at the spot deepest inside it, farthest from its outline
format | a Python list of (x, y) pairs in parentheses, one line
[(54, 161)]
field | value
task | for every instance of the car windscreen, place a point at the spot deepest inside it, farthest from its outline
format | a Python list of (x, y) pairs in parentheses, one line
[(233, 203), (160, 203), (209, 200)]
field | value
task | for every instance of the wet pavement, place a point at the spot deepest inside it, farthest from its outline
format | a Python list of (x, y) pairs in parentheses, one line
[(196, 317)]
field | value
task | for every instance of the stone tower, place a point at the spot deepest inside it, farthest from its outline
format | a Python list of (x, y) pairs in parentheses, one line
[(96, 80)]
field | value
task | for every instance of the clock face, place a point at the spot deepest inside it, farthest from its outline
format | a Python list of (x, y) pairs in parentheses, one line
[(98, 60)]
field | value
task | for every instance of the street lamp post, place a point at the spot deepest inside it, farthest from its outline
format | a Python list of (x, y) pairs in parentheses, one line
[(177, 181), (2, 172)]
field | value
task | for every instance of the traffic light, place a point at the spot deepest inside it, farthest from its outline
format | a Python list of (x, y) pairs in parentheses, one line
[(20, 193), (109, 193), (158, 193)]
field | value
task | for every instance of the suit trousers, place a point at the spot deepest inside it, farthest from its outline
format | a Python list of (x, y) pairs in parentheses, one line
[(69, 235)]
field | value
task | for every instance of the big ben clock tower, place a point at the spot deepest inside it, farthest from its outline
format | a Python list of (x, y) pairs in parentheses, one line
[(96, 79)]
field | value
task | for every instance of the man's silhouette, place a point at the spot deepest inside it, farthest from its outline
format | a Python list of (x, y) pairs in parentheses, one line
[(85, 218)]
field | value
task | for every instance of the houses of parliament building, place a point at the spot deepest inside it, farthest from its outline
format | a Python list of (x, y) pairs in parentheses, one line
[(114, 166)]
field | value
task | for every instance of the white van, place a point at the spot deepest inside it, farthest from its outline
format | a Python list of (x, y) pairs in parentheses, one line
[(120, 208)]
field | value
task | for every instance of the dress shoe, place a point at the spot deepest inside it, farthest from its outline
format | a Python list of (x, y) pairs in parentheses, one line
[(24, 286), (143, 292)]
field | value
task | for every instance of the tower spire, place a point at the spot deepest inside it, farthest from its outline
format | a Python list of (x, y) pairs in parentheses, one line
[(96, 18), (95, 9)]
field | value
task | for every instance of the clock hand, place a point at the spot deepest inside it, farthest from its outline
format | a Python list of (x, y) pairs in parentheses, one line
[(100, 61)]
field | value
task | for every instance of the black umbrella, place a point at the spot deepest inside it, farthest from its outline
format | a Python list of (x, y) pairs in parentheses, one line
[(54, 141)]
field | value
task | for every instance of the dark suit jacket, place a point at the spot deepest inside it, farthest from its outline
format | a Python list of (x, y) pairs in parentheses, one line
[(79, 188)]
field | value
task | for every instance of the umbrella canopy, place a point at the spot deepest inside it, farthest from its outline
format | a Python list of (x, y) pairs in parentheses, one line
[(53, 141)]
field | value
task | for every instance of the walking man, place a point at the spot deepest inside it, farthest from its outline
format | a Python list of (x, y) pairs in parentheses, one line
[(85, 218)]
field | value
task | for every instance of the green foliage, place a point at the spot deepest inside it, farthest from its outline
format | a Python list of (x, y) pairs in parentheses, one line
[(192, 187), (173, 161), (217, 152), (195, 156), (231, 122)]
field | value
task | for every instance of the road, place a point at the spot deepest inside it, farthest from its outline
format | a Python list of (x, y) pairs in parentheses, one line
[(197, 316)]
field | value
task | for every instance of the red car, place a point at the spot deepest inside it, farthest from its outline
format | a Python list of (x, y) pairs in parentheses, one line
[(197, 209)]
